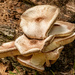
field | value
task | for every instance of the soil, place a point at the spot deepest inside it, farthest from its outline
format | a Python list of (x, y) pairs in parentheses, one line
[(10, 13)]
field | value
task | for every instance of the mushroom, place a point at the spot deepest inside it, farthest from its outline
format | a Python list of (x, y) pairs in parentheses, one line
[(42, 41)]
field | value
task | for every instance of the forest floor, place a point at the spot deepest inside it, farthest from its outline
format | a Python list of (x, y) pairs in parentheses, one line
[(10, 13)]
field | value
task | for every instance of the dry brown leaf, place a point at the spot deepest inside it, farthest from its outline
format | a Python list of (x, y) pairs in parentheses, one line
[(2, 69)]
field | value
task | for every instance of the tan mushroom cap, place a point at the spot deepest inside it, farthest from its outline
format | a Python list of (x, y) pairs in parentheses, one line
[(28, 46), (59, 42), (62, 29), (26, 62), (37, 21), (38, 60), (54, 55), (8, 49)]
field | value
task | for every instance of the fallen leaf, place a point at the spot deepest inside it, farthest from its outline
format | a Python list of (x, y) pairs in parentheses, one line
[(2, 69)]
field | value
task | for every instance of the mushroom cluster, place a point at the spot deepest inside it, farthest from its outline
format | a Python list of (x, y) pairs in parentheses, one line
[(43, 38)]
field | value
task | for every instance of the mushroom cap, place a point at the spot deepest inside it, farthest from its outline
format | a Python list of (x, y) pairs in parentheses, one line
[(8, 49), (62, 29), (54, 55), (26, 62), (37, 60), (27, 46), (59, 42), (37, 21)]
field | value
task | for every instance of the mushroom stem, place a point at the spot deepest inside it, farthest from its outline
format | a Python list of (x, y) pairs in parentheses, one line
[(48, 63), (8, 49)]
